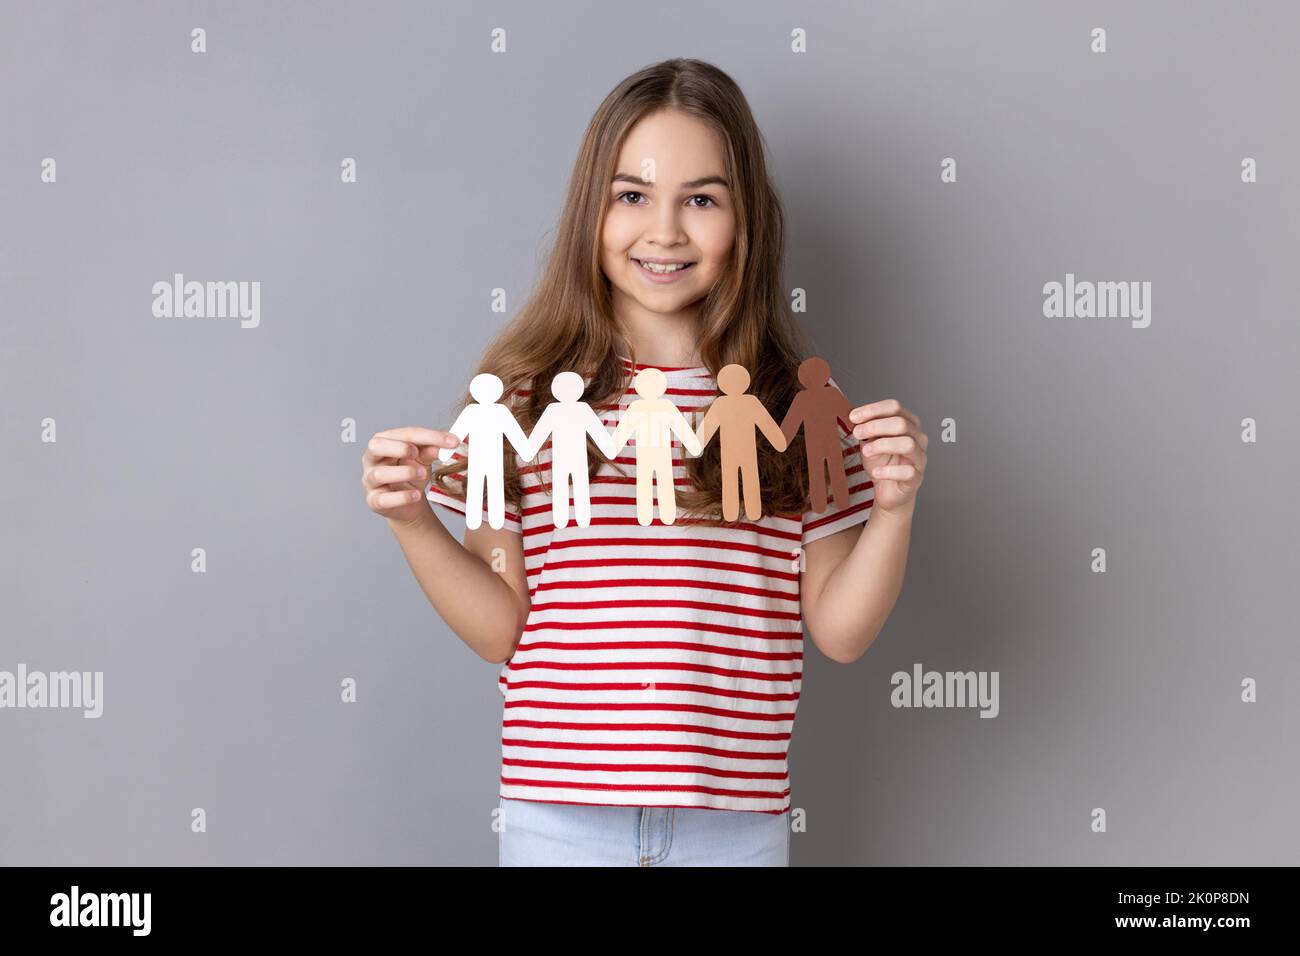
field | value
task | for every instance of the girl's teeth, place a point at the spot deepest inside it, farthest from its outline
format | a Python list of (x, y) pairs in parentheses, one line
[(657, 267)]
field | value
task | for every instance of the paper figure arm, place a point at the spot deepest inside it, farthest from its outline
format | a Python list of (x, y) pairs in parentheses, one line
[(768, 426), (622, 432), (677, 422), (515, 435), (541, 432), (599, 434), (709, 425), (843, 408), (459, 428), (793, 419)]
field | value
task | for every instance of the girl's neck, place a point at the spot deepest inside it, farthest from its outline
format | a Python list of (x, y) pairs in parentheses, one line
[(658, 338)]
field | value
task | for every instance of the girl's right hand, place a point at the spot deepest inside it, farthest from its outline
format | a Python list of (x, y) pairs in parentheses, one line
[(395, 469)]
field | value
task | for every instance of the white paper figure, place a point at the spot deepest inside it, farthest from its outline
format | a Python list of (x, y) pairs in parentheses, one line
[(568, 422), (487, 422), (652, 421)]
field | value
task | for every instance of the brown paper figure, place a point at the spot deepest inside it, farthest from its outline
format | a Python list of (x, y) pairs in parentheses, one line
[(734, 415), (652, 420), (817, 408)]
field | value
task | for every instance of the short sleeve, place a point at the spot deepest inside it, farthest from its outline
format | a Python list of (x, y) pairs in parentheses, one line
[(839, 515), (456, 502)]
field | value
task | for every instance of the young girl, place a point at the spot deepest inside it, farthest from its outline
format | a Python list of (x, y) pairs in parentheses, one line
[(651, 672)]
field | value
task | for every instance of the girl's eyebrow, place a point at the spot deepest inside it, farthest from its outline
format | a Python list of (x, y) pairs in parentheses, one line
[(693, 184)]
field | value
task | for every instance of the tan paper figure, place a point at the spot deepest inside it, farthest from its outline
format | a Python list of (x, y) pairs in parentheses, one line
[(652, 420), (568, 422), (734, 415), (486, 421), (817, 408)]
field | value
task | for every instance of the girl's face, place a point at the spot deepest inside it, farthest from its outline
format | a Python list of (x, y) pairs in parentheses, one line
[(666, 241)]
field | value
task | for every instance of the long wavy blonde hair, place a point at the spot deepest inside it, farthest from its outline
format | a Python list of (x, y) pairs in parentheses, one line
[(568, 323)]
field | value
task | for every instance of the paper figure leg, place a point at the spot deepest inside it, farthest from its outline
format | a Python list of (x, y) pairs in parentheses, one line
[(663, 472), (559, 497), (749, 483), (731, 494), (582, 498), (817, 483), (839, 482), (645, 502), (496, 499), (474, 496)]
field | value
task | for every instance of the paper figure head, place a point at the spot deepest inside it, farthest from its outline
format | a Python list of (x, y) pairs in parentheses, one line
[(733, 379), (650, 383), (486, 388), (568, 386), (814, 372)]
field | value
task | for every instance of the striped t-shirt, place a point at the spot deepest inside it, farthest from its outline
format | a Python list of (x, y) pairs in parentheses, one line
[(660, 665)]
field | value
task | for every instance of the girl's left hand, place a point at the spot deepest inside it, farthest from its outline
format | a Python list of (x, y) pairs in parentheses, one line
[(893, 453)]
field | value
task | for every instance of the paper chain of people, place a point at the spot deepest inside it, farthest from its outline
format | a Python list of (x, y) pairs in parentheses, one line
[(651, 421)]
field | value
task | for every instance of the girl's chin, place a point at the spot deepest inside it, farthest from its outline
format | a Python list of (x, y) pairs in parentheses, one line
[(662, 300)]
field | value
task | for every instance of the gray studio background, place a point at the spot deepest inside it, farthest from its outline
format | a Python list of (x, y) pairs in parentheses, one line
[(222, 690)]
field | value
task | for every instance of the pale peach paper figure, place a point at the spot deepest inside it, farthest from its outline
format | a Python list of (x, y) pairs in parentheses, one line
[(652, 421), (817, 408), (487, 422), (734, 415), (568, 422)]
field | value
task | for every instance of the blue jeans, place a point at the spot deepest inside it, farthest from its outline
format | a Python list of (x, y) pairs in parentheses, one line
[(566, 834)]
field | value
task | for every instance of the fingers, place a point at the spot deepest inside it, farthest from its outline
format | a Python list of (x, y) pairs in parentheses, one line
[(881, 463), (408, 469), (902, 445), (381, 501), (396, 461), (888, 406), (903, 472), (897, 425), (410, 442), (417, 434)]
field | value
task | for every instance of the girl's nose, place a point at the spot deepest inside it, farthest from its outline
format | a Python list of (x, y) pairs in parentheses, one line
[(667, 227)]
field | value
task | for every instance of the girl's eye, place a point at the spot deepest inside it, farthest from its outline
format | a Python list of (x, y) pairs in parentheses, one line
[(623, 196)]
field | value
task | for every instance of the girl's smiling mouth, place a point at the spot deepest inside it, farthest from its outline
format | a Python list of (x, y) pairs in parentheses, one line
[(657, 269)]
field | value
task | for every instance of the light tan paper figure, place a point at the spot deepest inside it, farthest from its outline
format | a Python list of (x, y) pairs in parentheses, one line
[(652, 421), (734, 415), (816, 408), (568, 422), (487, 422)]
